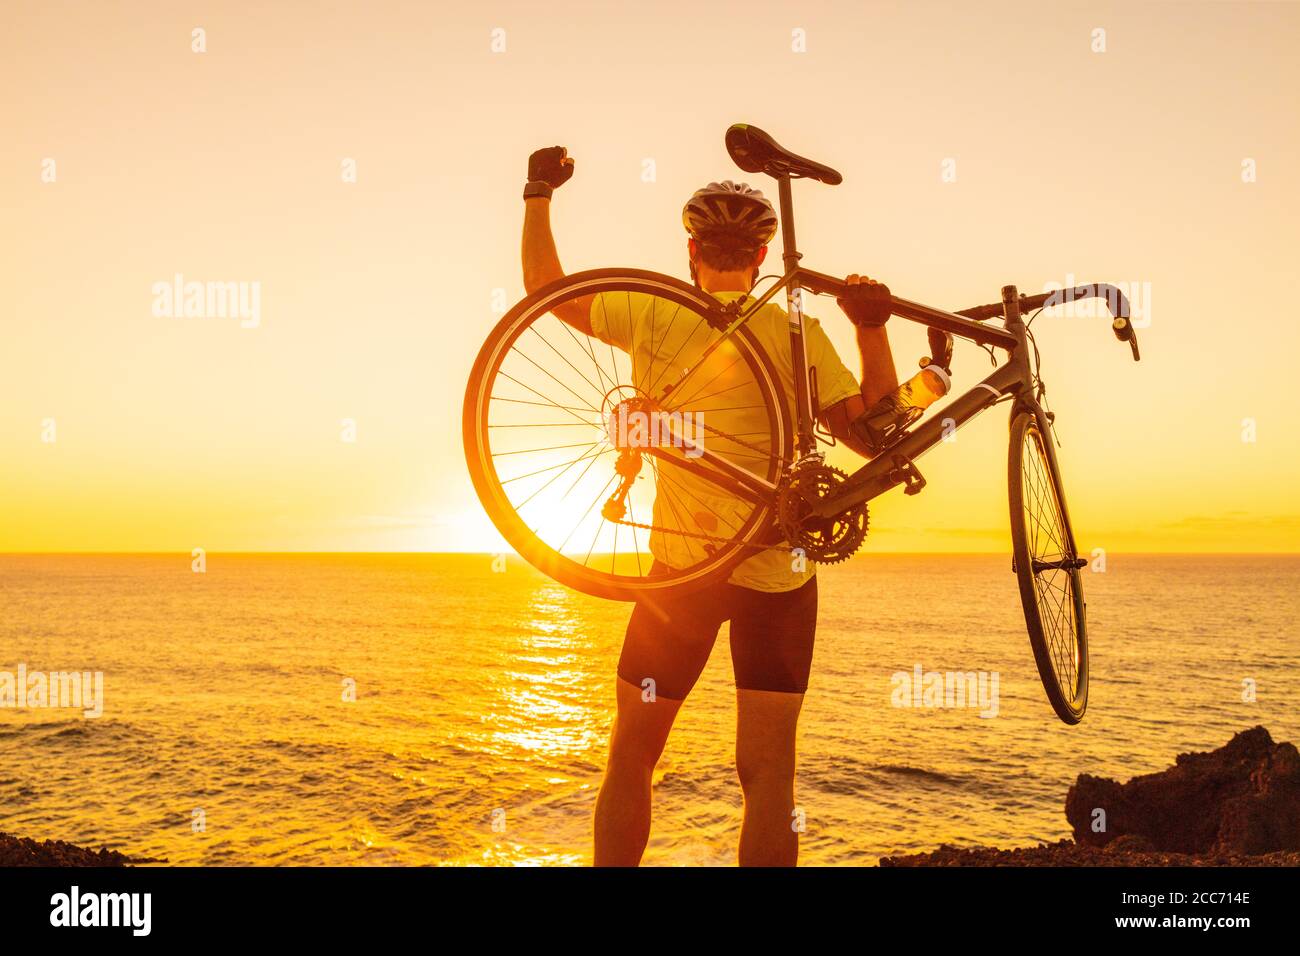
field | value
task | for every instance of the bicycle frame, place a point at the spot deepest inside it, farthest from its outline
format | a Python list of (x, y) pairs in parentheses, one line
[(894, 466)]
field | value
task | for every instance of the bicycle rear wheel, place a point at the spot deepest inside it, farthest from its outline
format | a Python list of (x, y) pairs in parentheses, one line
[(1047, 565), (546, 463)]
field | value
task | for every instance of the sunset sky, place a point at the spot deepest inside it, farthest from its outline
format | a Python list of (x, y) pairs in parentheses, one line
[(171, 433)]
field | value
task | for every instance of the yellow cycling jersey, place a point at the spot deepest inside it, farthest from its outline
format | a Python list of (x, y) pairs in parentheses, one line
[(663, 339)]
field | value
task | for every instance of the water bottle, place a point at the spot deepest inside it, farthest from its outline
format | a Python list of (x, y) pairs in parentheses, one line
[(884, 423)]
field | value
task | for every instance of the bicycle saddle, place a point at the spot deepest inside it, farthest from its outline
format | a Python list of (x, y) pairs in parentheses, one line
[(756, 152)]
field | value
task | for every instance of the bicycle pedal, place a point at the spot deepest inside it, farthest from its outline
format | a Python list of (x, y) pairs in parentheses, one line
[(905, 471)]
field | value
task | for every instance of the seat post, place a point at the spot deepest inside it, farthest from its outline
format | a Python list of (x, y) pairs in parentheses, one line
[(790, 252), (805, 440)]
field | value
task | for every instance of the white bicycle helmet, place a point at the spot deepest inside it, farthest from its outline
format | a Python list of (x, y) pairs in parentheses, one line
[(731, 213)]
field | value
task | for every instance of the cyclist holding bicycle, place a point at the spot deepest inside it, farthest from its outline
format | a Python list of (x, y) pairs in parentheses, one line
[(770, 600)]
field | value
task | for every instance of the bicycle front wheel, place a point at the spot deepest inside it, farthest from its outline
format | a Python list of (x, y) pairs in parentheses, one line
[(551, 457), (1047, 565)]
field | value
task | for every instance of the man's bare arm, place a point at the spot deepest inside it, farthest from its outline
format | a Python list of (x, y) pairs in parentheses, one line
[(879, 377), (540, 260)]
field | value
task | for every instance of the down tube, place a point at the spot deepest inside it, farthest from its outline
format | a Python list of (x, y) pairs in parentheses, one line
[(877, 476)]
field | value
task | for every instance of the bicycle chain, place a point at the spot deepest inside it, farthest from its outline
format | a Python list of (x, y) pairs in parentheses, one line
[(705, 537)]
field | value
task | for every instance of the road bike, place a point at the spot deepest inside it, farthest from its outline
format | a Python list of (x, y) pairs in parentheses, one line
[(627, 513)]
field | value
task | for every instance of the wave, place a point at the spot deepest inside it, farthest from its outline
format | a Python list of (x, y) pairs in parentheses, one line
[(860, 779), (75, 728), (921, 773)]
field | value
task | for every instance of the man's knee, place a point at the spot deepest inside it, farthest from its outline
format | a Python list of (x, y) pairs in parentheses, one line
[(628, 752), (762, 769), (765, 737), (641, 727)]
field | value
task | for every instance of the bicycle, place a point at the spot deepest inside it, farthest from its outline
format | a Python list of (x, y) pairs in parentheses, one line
[(717, 496)]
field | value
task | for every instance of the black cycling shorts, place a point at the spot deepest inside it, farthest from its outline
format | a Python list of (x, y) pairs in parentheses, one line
[(670, 636)]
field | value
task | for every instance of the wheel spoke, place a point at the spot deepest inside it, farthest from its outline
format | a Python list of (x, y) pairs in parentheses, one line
[(564, 358), (551, 403), (565, 465), (529, 359), (523, 504)]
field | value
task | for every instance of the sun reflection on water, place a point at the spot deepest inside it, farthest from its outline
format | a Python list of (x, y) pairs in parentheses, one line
[(541, 700)]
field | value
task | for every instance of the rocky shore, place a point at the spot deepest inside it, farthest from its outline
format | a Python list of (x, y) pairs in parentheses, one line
[(1235, 806), (19, 851)]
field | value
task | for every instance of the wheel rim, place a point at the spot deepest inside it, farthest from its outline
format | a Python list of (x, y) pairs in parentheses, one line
[(549, 459), (1050, 551)]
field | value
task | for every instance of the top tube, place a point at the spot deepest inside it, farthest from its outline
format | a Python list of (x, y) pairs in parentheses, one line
[(956, 323)]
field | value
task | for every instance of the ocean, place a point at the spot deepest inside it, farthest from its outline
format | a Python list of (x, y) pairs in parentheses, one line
[(404, 709)]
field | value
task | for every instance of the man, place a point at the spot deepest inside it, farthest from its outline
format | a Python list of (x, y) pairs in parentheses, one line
[(770, 601)]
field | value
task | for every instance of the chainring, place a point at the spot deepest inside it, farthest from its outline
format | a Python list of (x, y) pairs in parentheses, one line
[(823, 540)]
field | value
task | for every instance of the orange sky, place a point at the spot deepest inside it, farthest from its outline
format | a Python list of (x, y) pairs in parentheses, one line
[(173, 433)]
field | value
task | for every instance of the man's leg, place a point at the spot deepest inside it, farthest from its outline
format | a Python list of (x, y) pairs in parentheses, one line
[(623, 805), (667, 645), (772, 637), (766, 722)]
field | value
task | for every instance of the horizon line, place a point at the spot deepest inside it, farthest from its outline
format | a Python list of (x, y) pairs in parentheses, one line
[(109, 553)]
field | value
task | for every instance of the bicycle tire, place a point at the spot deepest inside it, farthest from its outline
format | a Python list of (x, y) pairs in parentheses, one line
[(488, 483), (1042, 540)]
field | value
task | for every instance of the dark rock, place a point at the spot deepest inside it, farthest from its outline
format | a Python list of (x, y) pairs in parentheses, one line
[(1235, 806), (1129, 843), (20, 851), (1243, 798), (1066, 853)]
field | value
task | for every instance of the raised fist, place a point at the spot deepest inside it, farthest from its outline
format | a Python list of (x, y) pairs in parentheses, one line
[(551, 165)]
